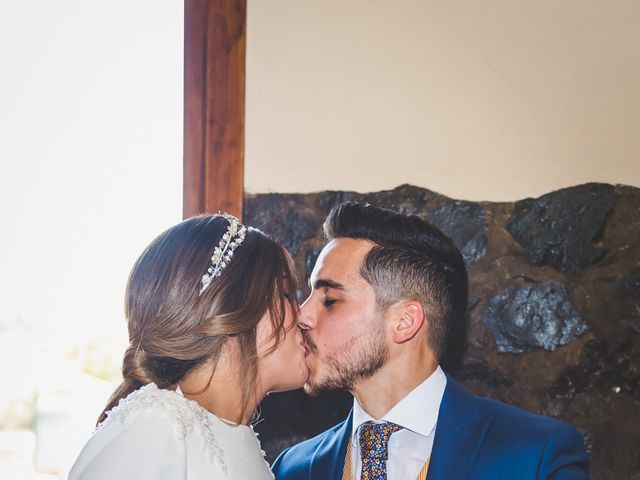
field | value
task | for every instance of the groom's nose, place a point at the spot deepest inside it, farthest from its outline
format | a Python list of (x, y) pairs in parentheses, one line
[(307, 318)]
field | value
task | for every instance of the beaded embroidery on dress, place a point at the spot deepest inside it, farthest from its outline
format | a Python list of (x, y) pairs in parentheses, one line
[(186, 413), (156, 434)]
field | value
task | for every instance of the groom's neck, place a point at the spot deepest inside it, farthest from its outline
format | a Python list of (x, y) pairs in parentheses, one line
[(389, 385)]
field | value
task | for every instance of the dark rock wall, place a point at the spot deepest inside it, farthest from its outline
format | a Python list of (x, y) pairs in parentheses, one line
[(553, 316)]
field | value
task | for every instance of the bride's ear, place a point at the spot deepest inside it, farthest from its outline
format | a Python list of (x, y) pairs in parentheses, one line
[(408, 318)]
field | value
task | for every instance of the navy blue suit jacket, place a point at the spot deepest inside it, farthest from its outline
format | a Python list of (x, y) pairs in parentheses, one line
[(476, 439)]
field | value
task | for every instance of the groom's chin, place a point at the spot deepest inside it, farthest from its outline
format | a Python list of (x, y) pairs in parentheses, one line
[(309, 390), (314, 389)]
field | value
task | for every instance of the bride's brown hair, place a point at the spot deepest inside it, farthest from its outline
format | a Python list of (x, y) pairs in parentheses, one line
[(173, 329)]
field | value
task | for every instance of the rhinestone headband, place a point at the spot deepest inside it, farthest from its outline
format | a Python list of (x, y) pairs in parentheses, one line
[(222, 254)]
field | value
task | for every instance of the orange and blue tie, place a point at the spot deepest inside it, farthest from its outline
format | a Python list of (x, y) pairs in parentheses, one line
[(374, 441)]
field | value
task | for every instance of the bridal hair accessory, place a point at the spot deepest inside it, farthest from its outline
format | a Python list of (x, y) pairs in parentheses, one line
[(232, 238)]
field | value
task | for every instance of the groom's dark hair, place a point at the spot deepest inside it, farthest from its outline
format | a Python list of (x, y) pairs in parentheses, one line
[(411, 259)]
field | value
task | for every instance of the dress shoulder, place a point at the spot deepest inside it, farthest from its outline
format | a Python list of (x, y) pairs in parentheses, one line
[(144, 447), (185, 415), (153, 431)]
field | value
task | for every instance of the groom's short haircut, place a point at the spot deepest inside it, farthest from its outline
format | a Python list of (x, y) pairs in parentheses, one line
[(411, 260)]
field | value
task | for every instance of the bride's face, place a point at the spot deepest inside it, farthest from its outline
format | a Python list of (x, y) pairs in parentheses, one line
[(284, 368)]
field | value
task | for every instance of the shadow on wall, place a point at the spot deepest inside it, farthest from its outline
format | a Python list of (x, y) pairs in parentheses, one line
[(553, 315)]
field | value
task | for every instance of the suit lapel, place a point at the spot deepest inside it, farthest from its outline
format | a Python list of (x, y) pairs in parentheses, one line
[(328, 459), (459, 434)]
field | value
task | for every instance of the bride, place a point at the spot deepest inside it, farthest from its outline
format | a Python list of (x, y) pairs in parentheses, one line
[(212, 322)]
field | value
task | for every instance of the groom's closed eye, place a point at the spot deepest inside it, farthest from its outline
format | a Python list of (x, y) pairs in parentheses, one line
[(329, 302)]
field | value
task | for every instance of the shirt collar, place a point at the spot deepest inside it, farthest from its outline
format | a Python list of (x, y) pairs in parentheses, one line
[(417, 411)]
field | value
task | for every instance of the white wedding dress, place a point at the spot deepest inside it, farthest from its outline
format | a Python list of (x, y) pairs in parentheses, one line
[(161, 435)]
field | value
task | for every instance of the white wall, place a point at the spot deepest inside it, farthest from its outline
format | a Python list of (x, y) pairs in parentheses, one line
[(483, 100), (90, 156), (90, 172)]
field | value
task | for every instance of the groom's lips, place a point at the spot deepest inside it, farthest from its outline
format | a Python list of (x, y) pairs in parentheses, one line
[(308, 344)]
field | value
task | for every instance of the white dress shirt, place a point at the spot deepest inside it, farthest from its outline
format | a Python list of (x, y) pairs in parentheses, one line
[(417, 414)]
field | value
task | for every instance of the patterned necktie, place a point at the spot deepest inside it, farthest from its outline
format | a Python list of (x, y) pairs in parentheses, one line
[(374, 440)]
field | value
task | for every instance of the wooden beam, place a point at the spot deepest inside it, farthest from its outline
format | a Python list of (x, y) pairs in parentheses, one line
[(214, 92)]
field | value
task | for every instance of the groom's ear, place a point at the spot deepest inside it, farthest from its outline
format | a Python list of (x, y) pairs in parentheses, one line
[(408, 318)]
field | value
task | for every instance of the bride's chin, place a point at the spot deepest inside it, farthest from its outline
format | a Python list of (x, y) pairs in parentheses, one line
[(292, 382), (302, 379)]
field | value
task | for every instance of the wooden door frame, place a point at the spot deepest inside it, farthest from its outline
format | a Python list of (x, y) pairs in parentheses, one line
[(214, 103)]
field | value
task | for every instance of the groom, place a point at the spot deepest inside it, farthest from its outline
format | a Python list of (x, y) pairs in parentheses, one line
[(388, 290)]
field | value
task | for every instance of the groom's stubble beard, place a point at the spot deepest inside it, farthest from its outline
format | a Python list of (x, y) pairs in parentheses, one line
[(358, 358)]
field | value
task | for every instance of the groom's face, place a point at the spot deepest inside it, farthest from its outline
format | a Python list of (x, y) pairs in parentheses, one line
[(342, 327)]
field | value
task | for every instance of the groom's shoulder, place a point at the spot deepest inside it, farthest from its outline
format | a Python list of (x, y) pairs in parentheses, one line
[(513, 422), (527, 441), (462, 397), (295, 461), (516, 418)]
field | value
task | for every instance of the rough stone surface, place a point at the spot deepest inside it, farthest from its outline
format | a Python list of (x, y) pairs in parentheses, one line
[(532, 316), (601, 368), (632, 282), (309, 262), (476, 370), (405, 199), (466, 224), (559, 228), (327, 200), (284, 218), (588, 234), (632, 324)]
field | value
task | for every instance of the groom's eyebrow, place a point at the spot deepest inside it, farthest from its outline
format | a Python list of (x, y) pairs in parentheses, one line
[(326, 283)]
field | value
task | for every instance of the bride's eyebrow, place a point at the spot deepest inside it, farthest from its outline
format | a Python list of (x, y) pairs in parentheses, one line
[(326, 283)]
